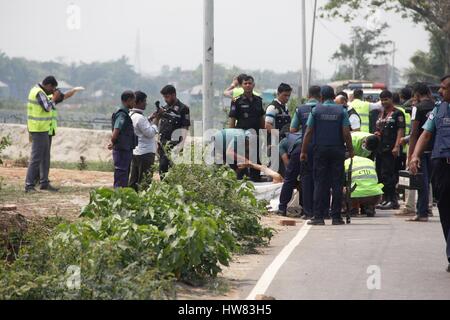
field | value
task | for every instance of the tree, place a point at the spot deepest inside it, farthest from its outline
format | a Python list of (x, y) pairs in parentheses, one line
[(427, 66), (368, 47), (434, 15)]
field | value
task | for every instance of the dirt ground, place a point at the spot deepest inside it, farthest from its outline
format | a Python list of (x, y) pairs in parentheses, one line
[(74, 191), (73, 195)]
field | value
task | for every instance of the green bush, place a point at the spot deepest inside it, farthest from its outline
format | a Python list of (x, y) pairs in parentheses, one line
[(130, 245)]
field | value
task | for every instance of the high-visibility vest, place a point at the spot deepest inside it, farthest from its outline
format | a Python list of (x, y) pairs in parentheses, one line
[(407, 120), (357, 141), (240, 91), (362, 108), (54, 123), (407, 126), (38, 119), (364, 176)]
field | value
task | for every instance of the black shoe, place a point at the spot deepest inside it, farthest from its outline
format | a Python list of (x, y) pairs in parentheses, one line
[(316, 222), (388, 206), (448, 268), (383, 203), (30, 189), (281, 213), (337, 222), (49, 188)]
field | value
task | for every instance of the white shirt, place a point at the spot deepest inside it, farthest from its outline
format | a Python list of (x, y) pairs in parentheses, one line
[(145, 131), (355, 122), (272, 111)]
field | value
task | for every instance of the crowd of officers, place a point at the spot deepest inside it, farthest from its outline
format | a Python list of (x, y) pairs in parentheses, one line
[(334, 140), (333, 145)]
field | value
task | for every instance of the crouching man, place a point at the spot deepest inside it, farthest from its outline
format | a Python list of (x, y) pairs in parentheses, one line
[(366, 191)]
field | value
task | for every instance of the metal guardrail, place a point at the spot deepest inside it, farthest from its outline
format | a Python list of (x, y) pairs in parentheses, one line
[(96, 123)]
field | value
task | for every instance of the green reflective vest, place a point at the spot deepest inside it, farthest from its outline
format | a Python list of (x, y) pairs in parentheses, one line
[(358, 138), (240, 91), (364, 176), (38, 119), (407, 120), (363, 108), (407, 125), (54, 123)]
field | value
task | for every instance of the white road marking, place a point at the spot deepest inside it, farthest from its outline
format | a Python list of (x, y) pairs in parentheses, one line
[(269, 274)]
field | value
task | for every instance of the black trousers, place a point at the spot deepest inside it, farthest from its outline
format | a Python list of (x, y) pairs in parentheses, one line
[(141, 170), (387, 174), (328, 171), (441, 186), (164, 148), (290, 179)]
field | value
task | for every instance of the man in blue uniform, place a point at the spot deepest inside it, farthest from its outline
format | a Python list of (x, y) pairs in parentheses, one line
[(438, 126), (299, 123), (123, 139), (290, 154), (328, 126)]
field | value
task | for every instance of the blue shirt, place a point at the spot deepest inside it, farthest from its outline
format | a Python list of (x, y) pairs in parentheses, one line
[(430, 124), (120, 118), (296, 123), (284, 144), (345, 118)]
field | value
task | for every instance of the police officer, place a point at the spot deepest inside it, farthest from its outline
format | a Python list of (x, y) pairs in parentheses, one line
[(277, 117), (277, 114), (438, 126), (42, 124), (390, 127), (290, 148), (123, 139), (353, 116), (423, 106), (246, 113), (363, 108), (367, 191), (329, 127), (299, 123), (364, 144), (173, 116)]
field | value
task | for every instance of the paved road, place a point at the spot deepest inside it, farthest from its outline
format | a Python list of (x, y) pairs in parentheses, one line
[(332, 262)]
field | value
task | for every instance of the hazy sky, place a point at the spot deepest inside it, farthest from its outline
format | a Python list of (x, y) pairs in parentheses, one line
[(253, 34)]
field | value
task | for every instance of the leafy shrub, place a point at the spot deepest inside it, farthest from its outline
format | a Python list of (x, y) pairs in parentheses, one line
[(130, 245)]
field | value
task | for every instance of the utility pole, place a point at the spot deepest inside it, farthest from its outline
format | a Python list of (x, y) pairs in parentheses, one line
[(208, 64), (354, 56), (304, 69), (312, 44), (391, 82)]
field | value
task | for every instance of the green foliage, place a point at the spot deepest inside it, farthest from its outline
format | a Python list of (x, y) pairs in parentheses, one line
[(427, 66), (433, 15), (130, 245), (104, 166), (4, 143), (368, 47), (218, 186)]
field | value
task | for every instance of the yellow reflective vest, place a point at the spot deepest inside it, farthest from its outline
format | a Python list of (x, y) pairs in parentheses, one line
[(362, 108), (364, 176), (38, 119)]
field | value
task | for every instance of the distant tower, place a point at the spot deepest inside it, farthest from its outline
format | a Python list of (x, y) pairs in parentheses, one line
[(137, 53)]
